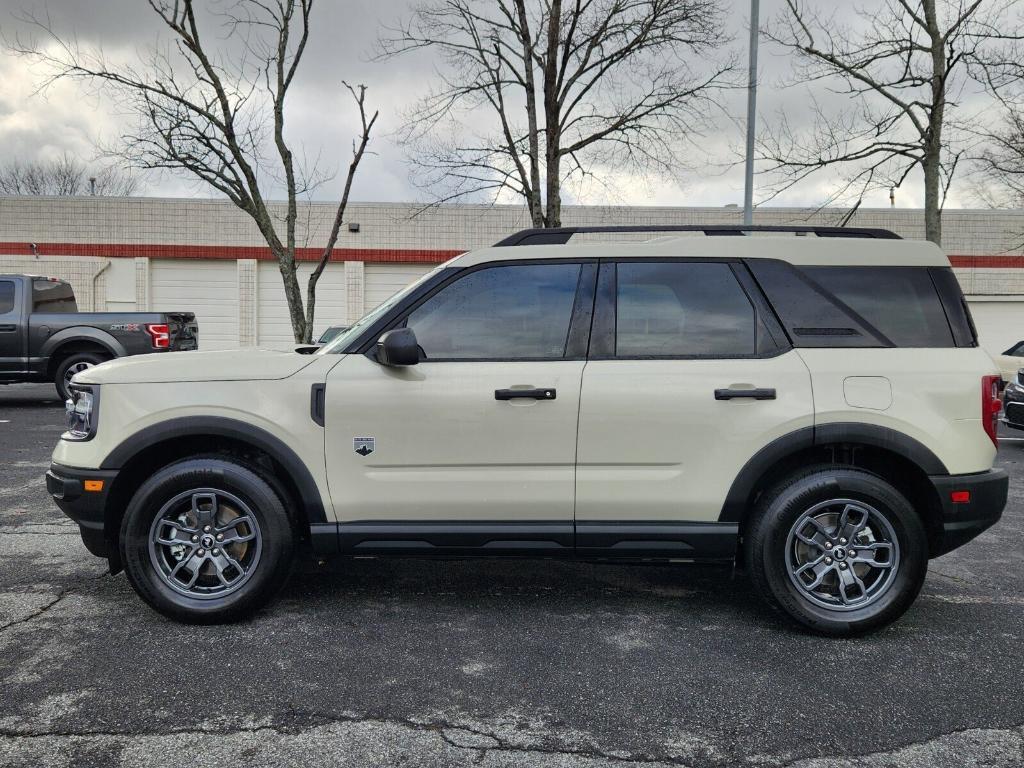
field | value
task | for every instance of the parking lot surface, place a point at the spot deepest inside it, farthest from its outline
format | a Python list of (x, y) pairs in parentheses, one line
[(491, 663)]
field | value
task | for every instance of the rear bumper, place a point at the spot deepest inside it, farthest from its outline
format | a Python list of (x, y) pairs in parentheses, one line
[(87, 508), (962, 521)]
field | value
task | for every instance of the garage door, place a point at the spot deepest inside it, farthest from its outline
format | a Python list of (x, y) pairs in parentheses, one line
[(273, 326), (383, 280), (1000, 324), (208, 288)]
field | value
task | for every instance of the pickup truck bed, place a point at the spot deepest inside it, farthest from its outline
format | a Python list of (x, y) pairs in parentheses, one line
[(44, 338)]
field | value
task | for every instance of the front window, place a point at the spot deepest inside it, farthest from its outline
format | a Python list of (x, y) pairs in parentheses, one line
[(509, 312), (6, 297)]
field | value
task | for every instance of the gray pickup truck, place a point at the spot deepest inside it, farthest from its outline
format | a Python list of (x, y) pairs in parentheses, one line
[(43, 336)]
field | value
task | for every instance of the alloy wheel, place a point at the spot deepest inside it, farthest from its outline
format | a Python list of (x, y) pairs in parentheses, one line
[(205, 543), (74, 368), (842, 554)]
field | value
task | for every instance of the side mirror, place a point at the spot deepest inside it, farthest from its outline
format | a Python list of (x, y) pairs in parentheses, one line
[(306, 349), (398, 347)]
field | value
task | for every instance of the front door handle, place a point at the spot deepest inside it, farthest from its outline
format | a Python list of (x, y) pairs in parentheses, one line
[(8, 328), (754, 394), (544, 393)]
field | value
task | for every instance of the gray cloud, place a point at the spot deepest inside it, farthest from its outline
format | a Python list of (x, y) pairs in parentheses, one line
[(321, 115)]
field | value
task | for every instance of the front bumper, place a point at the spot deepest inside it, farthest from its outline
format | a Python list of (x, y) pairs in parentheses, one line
[(87, 508), (962, 521), (1013, 405)]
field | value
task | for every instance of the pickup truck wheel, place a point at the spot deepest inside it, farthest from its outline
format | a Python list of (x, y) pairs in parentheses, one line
[(74, 363), (839, 550), (206, 541)]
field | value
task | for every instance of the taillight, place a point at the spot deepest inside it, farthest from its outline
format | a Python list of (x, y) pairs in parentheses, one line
[(160, 333), (991, 404)]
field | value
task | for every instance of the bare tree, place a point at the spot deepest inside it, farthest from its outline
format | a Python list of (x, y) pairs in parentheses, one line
[(1001, 162), (999, 165), (534, 93), (906, 67), (214, 109), (64, 176)]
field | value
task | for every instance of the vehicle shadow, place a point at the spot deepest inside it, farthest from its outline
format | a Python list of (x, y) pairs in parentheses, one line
[(19, 396), (548, 586)]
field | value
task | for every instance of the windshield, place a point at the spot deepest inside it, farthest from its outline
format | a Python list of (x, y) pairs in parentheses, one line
[(342, 340)]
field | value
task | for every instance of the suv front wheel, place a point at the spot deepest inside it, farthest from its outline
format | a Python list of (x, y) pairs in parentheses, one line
[(206, 540), (838, 549)]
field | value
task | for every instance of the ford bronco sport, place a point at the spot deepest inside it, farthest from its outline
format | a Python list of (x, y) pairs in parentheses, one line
[(808, 402)]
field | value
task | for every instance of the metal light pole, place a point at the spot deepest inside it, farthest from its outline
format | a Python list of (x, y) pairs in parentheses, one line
[(748, 189)]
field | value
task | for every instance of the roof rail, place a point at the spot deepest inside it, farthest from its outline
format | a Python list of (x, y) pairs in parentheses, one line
[(561, 235)]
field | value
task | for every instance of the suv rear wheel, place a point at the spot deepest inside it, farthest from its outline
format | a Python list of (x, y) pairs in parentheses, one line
[(206, 540), (840, 550)]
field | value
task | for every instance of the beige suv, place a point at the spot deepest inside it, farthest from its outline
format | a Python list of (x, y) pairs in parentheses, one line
[(808, 402)]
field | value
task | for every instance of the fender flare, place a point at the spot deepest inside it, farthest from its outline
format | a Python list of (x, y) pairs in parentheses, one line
[(194, 426), (82, 333), (735, 506)]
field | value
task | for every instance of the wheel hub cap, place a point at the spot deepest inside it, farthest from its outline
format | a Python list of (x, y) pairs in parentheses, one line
[(842, 554), (205, 543)]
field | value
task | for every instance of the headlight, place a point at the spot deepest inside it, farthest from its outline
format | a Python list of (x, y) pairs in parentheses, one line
[(82, 413)]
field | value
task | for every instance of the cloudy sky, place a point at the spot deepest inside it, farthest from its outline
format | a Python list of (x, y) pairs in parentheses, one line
[(67, 119)]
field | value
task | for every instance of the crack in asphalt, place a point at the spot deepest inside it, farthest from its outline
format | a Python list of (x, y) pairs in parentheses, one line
[(912, 744), (62, 592), (38, 612), (435, 728), (445, 730)]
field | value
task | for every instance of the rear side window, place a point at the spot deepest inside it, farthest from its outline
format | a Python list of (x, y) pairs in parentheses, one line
[(6, 296), (682, 309), (900, 302), (52, 296)]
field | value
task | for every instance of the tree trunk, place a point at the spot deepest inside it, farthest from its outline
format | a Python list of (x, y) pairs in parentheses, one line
[(933, 140), (533, 200), (932, 200), (293, 294), (552, 120)]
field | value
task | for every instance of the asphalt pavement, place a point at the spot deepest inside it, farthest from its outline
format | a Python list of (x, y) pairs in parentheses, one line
[(493, 663)]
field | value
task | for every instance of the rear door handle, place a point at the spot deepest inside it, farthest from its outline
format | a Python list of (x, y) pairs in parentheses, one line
[(754, 394), (545, 393), (8, 328)]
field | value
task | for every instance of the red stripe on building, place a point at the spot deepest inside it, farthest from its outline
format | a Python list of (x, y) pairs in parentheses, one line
[(386, 255), (1001, 261), (230, 252)]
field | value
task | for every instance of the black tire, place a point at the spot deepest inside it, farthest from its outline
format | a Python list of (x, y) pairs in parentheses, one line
[(69, 363), (771, 544), (239, 490)]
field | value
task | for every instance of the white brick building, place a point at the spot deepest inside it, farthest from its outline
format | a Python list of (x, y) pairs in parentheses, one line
[(208, 257)]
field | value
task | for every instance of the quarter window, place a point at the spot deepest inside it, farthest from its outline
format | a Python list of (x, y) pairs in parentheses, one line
[(513, 312), (682, 309), (901, 302), (6, 296)]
